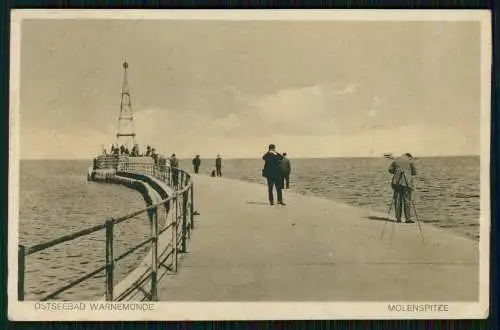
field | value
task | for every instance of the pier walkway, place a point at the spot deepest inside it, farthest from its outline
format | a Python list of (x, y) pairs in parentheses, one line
[(313, 249)]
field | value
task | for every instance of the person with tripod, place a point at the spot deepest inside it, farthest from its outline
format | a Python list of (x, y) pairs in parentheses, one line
[(403, 170)]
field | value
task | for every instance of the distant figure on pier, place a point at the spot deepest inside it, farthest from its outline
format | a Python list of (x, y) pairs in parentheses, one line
[(286, 168), (174, 167), (122, 149), (154, 155), (148, 150), (272, 172), (196, 163), (135, 151), (162, 160), (218, 165), (403, 170)]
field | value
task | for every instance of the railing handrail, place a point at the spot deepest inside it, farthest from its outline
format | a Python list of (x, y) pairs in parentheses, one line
[(186, 184), (69, 237)]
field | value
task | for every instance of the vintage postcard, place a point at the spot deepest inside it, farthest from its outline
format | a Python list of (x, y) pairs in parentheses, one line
[(238, 165)]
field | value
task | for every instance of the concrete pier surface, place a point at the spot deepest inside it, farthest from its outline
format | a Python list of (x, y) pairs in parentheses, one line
[(313, 249)]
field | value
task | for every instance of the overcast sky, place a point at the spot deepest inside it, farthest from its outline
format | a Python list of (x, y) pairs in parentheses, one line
[(315, 89)]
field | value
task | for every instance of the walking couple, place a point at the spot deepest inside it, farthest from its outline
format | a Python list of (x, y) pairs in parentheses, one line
[(277, 171)]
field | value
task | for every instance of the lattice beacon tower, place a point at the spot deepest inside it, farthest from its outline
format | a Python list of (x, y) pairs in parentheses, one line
[(125, 135)]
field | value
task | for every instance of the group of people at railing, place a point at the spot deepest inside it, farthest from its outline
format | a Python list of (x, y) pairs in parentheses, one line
[(134, 152)]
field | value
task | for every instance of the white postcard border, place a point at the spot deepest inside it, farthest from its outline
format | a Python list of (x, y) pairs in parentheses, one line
[(29, 310)]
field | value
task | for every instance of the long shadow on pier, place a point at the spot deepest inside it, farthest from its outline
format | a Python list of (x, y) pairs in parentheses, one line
[(257, 203), (379, 218)]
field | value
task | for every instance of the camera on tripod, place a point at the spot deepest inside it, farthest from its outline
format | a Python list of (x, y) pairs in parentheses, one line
[(402, 187)]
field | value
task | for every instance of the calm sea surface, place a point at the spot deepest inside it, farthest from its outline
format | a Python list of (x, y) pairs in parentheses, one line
[(56, 199)]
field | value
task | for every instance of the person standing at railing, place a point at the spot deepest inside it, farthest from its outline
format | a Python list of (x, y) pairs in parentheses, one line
[(154, 155), (196, 164), (218, 165), (135, 150), (162, 161), (174, 167)]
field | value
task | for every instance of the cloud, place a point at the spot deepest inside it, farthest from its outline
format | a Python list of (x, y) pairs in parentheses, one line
[(310, 110), (312, 121), (349, 89), (373, 112), (418, 139), (38, 143), (185, 142), (374, 107)]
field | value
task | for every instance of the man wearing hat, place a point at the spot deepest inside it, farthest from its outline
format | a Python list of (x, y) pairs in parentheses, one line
[(403, 170), (196, 163), (218, 165), (272, 172)]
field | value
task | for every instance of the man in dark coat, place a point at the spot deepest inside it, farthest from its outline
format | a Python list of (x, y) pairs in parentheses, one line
[(218, 165), (272, 172), (403, 170), (196, 163), (286, 168)]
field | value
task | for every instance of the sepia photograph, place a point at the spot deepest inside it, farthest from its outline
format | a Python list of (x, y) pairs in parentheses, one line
[(175, 165)]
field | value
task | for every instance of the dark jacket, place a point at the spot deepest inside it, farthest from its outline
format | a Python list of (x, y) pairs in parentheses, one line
[(218, 162), (197, 162), (174, 162), (286, 168), (403, 171), (272, 167)]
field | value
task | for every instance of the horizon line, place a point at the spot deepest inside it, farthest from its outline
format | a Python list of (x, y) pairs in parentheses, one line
[(302, 157)]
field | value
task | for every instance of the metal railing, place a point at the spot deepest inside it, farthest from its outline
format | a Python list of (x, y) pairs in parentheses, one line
[(179, 208)]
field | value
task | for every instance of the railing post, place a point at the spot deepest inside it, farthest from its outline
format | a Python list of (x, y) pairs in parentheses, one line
[(192, 205), (20, 272), (174, 234), (109, 259), (184, 220), (154, 249)]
